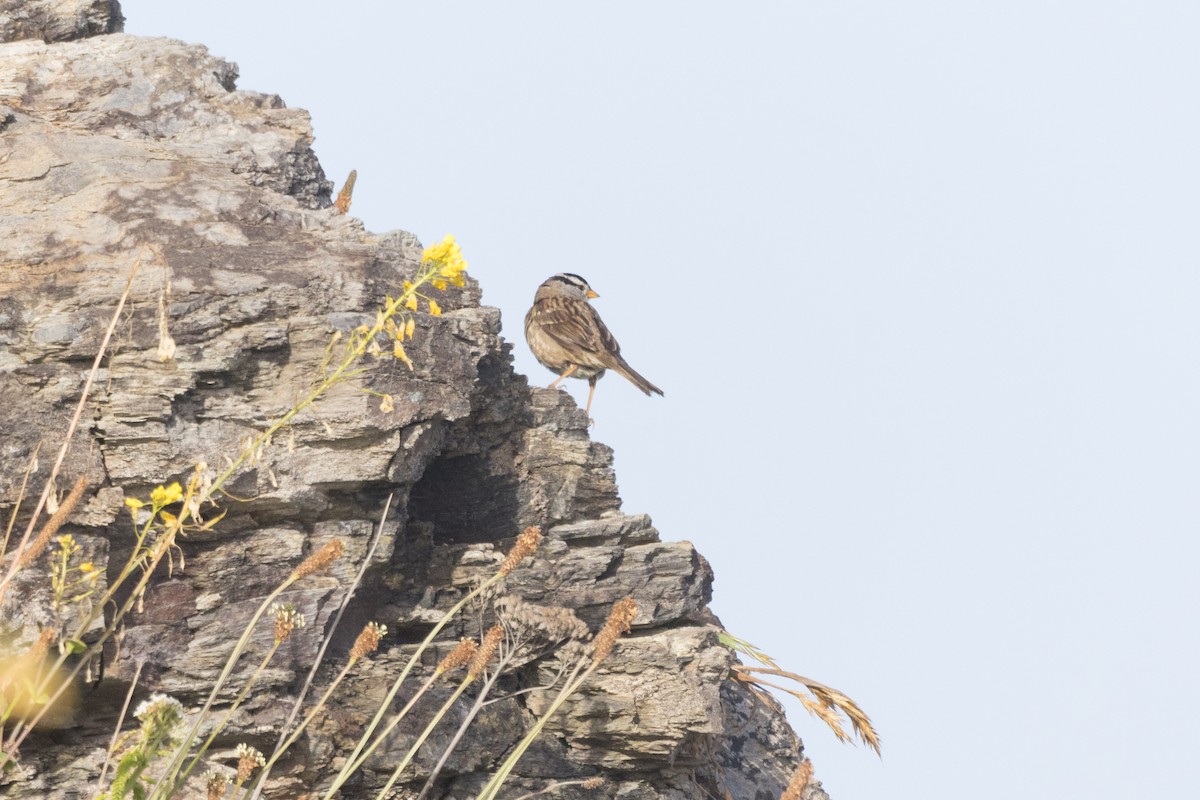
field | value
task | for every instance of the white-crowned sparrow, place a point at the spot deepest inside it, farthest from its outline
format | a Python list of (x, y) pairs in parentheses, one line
[(568, 337)]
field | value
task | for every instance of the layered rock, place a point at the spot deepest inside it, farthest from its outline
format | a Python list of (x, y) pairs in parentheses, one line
[(117, 149)]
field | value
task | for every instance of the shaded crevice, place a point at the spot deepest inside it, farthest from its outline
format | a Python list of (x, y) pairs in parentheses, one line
[(464, 501)]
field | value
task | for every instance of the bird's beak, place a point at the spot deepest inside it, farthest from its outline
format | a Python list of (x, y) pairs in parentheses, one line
[(591, 294)]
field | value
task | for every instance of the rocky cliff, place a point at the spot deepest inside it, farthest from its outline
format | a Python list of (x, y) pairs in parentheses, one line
[(115, 148)]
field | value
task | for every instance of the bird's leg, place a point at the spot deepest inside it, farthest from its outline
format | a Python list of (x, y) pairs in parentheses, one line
[(591, 391), (566, 374)]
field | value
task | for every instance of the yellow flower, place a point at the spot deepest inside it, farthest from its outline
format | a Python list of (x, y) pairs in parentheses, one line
[(411, 303), (87, 566), (444, 250), (134, 503), (434, 308), (398, 352), (439, 284), (165, 495), (409, 327)]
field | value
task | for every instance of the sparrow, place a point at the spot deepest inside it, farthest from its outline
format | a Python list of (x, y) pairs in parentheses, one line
[(568, 337)]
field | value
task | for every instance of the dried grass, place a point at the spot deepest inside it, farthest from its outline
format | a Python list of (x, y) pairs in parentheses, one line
[(342, 204), (827, 706)]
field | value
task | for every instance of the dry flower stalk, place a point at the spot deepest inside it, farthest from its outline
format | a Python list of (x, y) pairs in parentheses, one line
[(799, 782), (367, 641), (342, 204), (462, 653), (487, 649), (287, 619), (248, 760), (320, 560), (214, 784), (39, 648), (593, 783), (829, 702), (527, 545), (619, 622), (65, 509)]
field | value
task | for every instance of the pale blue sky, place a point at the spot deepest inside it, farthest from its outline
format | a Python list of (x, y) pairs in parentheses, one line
[(920, 282)]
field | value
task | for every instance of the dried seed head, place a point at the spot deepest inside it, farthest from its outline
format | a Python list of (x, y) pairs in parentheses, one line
[(550, 624), (248, 759), (65, 508), (39, 648), (487, 649), (527, 544), (287, 619), (215, 783), (461, 654), (573, 652), (321, 559), (619, 621), (799, 782), (342, 204), (367, 641), (593, 783)]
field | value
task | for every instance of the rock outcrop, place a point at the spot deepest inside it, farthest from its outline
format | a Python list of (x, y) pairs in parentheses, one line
[(115, 148)]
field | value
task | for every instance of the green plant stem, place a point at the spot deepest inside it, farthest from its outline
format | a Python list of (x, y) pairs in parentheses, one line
[(351, 764), (228, 715), (168, 777), (70, 432), (466, 723), (283, 747), (343, 371), (572, 684), (255, 789), (412, 751), (112, 745), (162, 548)]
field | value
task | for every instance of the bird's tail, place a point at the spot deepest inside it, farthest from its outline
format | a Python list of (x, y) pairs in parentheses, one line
[(622, 367)]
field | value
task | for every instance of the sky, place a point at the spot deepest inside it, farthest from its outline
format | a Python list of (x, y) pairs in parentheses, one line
[(920, 281)]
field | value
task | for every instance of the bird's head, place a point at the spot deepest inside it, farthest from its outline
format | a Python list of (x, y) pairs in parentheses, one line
[(570, 284)]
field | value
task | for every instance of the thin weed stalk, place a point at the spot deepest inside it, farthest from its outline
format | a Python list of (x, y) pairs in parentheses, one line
[(478, 666), (619, 621), (228, 714), (317, 561), (16, 509), (351, 762), (433, 723), (70, 433), (285, 741), (829, 702), (476, 707), (574, 681), (161, 548), (112, 744), (366, 643), (526, 544)]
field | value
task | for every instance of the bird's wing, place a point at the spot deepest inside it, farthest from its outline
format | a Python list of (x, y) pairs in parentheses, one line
[(576, 326)]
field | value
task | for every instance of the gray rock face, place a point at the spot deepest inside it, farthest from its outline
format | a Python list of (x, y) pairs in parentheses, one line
[(59, 20), (116, 147)]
